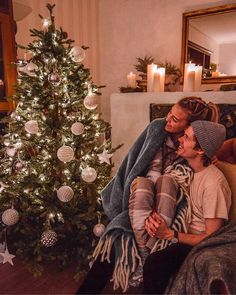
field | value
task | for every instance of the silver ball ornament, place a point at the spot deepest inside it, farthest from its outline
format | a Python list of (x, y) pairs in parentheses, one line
[(65, 153), (91, 101), (77, 54), (18, 165), (32, 127), (77, 128), (89, 174), (49, 238), (10, 217), (11, 152), (54, 78), (65, 193), (99, 229)]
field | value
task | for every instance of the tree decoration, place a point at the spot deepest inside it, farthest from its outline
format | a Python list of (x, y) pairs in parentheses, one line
[(7, 257), (77, 54), (65, 154), (32, 127), (11, 152), (49, 238), (77, 128), (10, 216), (91, 101), (99, 228), (50, 179), (65, 193), (89, 174), (105, 157), (54, 78)]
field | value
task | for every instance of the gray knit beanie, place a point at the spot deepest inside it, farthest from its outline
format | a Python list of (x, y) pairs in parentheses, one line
[(210, 136)]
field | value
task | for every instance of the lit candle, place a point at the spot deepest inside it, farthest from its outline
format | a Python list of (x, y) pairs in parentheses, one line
[(159, 80), (198, 78), (131, 80), (150, 76), (189, 77)]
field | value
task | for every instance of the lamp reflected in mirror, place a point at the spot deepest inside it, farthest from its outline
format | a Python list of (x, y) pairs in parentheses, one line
[(209, 40)]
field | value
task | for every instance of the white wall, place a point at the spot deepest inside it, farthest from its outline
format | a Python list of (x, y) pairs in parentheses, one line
[(135, 28), (227, 59), (117, 32)]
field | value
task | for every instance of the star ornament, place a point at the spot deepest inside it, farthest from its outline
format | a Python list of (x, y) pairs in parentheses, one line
[(104, 157), (7, 257)]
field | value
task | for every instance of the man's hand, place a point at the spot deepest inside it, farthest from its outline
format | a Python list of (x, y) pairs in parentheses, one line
[(157, 227)]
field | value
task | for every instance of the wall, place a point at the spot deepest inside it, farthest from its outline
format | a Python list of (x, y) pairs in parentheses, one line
[(79, 18), (135, 28), (227, 59), (117, 32)]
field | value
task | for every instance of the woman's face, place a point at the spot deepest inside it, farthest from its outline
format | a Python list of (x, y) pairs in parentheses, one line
[(177, 120)]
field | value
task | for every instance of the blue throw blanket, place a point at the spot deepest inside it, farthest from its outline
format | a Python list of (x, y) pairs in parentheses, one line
[(115, 198)]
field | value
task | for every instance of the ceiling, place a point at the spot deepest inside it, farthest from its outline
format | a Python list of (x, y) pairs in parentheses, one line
[(220, 27)]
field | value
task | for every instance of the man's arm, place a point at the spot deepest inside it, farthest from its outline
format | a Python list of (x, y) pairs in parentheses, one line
[(156, 226)]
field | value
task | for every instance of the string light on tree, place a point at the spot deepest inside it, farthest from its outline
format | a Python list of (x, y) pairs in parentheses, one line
[(46, 23)]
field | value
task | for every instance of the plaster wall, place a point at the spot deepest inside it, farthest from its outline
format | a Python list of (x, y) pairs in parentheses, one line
[(135, 28)]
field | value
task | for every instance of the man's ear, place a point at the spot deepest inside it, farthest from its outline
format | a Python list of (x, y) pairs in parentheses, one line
[(200, 152)]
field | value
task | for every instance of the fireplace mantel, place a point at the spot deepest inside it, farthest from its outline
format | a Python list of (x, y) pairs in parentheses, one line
[(130, 113)]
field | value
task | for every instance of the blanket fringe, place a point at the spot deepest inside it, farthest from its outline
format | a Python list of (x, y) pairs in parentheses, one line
[(125, 265)]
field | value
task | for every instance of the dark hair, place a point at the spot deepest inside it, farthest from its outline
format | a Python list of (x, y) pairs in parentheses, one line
[(198, 109), (205, 159)]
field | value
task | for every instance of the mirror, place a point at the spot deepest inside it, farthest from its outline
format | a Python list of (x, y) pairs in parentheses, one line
[(209, 39)]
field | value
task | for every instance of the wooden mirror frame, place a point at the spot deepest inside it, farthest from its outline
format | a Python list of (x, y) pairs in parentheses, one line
[(185, 32)]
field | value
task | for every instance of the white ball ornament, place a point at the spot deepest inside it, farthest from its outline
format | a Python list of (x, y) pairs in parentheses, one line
[(18, 165), (91, 101), (89, 174), (65, 193), (31, 67), (65, 153), (49, 238), (10, 217), (77, 54), (11, 152), (32, 127), (77, 128), (99, 229)]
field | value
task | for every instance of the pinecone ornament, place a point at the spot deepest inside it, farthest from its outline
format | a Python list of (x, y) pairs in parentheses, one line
[(49, 238)]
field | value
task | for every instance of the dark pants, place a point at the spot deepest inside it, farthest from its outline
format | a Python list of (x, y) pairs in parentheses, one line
[(158, 269), (98, 276), (160, 266)]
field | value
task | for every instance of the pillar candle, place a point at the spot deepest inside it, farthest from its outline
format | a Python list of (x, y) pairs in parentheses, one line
[(150, 76), (159, 80), (131, 80), (189, 77), (198, 78)]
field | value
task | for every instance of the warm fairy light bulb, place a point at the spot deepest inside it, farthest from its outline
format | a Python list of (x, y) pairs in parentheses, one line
[(66, 171), (64, 59), (51, 215), (28, 135), (46, 23)]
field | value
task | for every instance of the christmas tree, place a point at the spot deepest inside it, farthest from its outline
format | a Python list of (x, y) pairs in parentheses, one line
[(55, 156)]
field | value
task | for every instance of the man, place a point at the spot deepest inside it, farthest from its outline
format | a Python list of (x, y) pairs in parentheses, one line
[(210, 200), (115, 196)]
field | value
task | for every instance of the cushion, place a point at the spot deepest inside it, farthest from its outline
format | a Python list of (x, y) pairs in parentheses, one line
[(229, 171)]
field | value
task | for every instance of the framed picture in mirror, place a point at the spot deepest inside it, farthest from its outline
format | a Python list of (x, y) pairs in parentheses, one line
[(209, 40)]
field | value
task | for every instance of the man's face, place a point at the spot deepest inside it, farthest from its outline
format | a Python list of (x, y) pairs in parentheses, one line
[(186, 145), (177, 120)]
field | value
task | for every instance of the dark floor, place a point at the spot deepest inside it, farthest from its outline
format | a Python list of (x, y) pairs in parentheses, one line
[(17, 279)]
